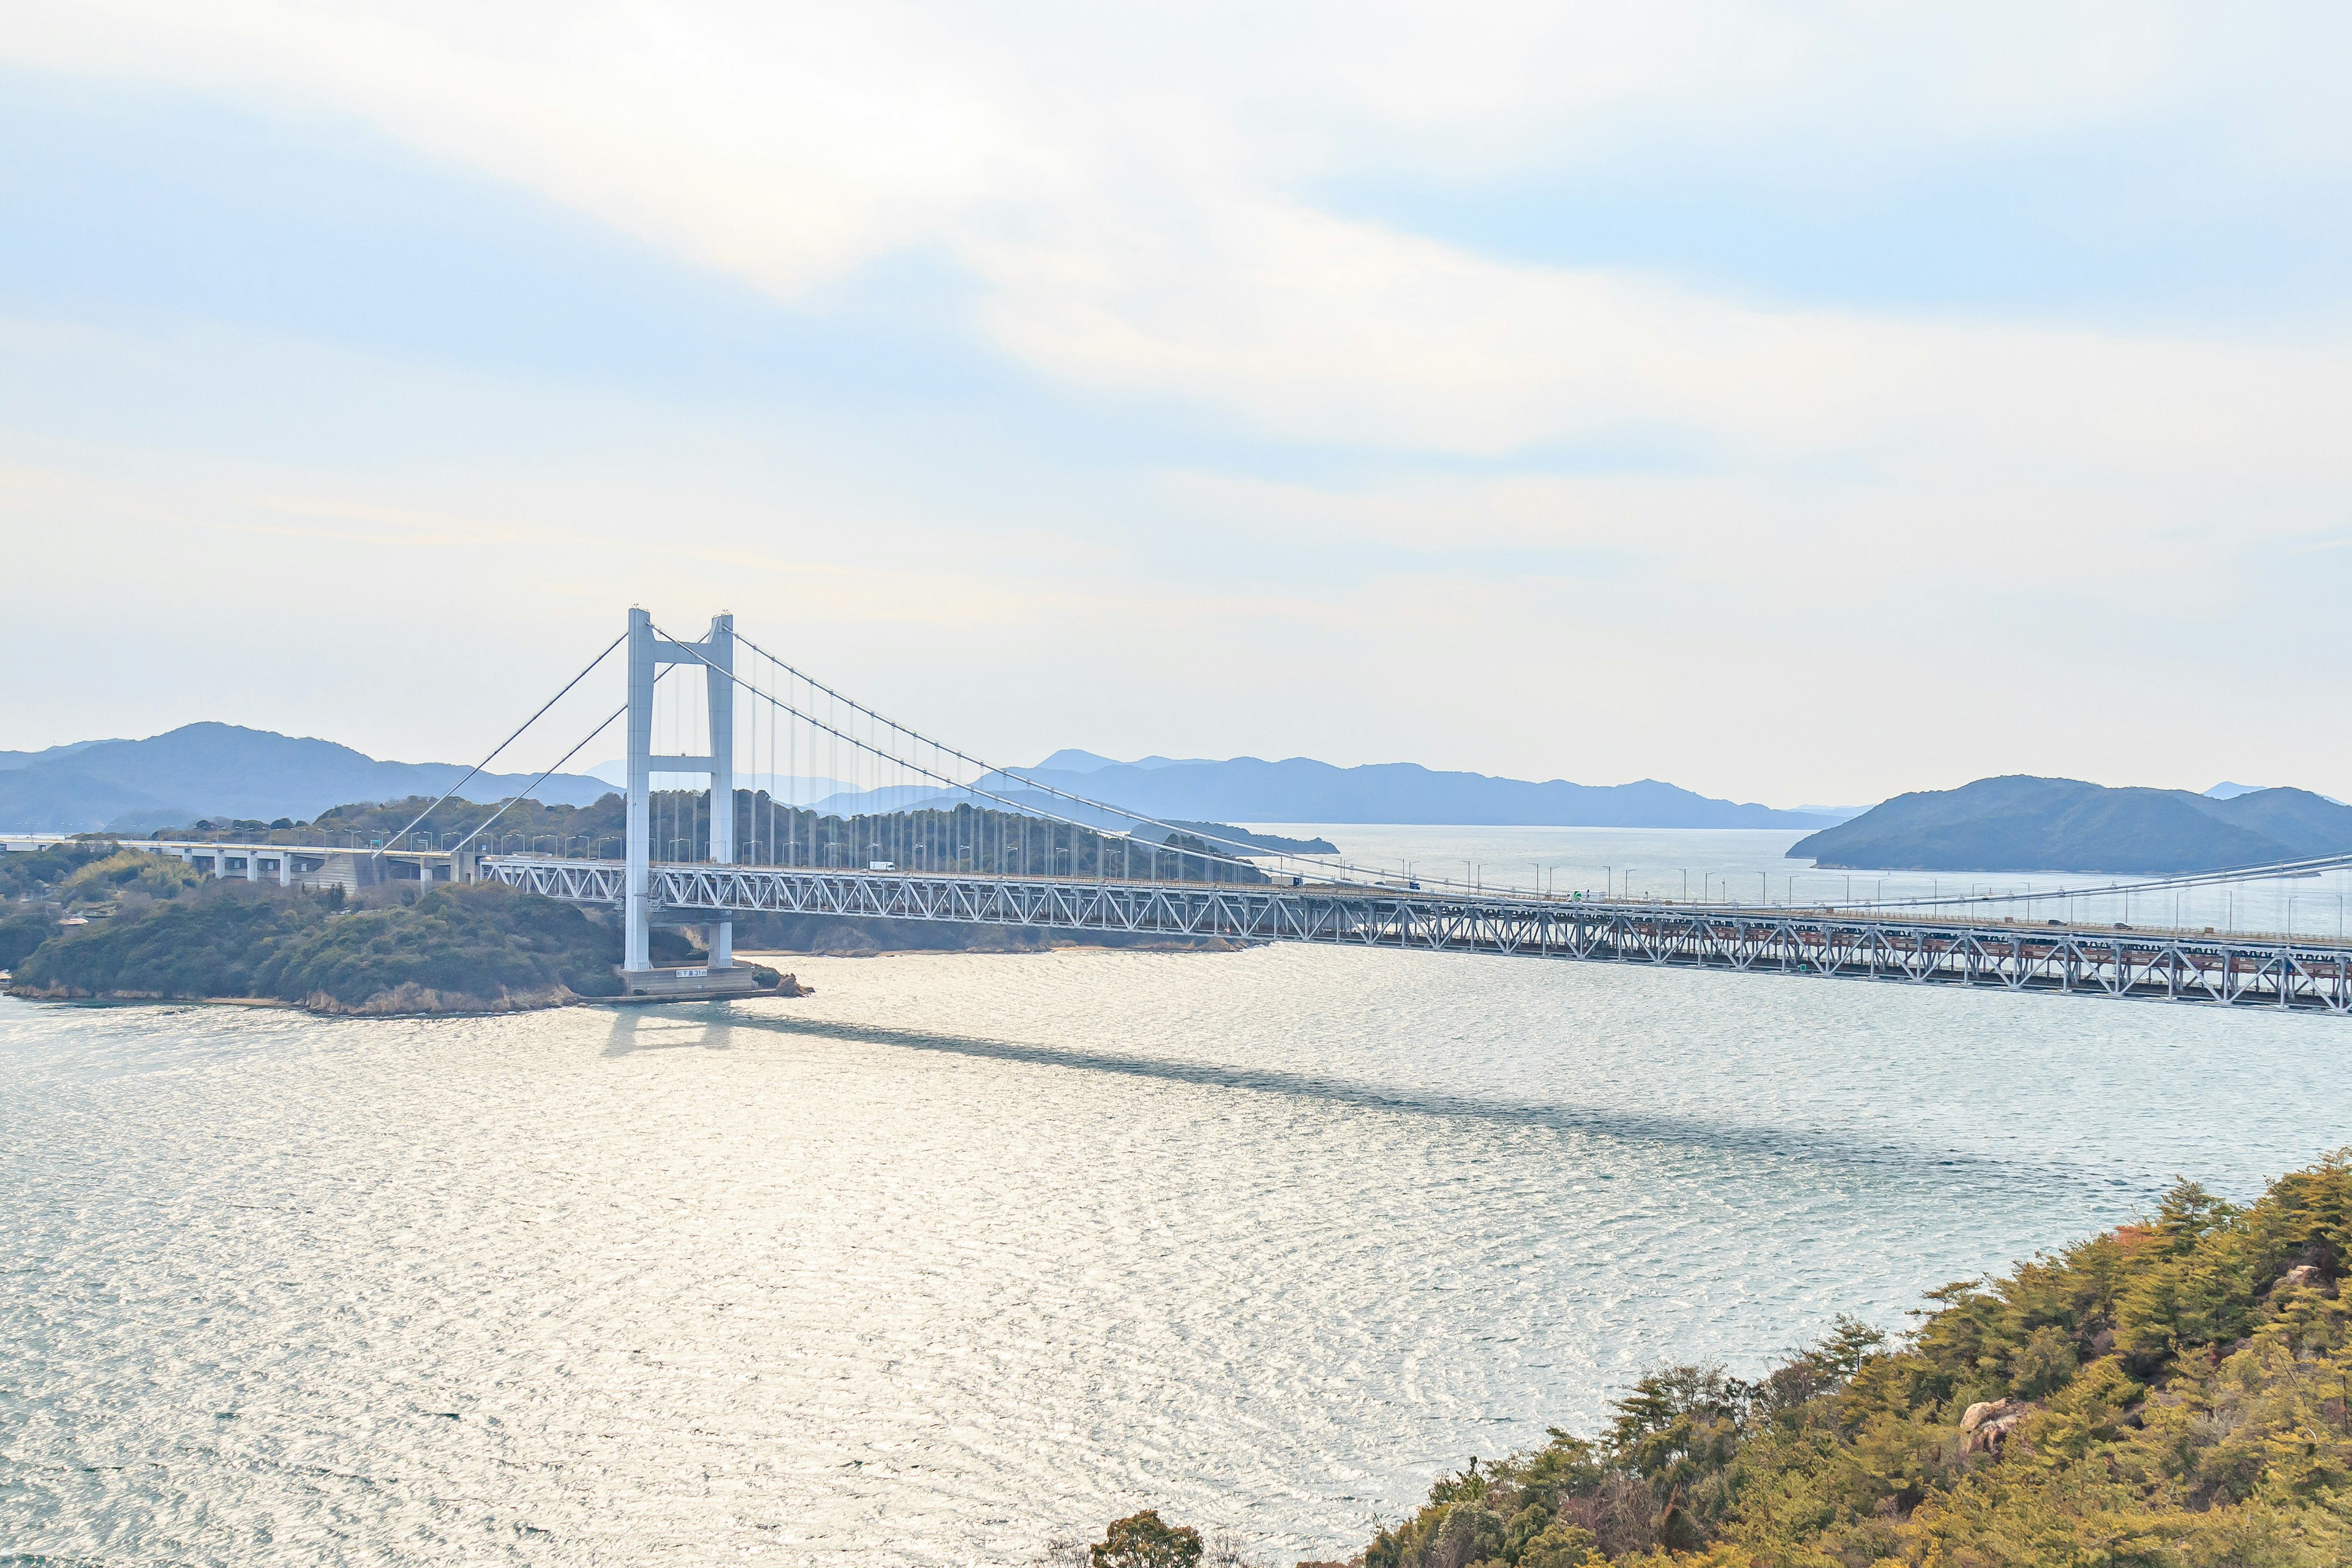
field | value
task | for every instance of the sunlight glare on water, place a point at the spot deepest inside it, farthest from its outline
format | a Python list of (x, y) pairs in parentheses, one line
[(965, 1252)]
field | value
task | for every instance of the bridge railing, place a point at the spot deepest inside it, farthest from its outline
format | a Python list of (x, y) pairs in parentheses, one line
[(2297, 976)]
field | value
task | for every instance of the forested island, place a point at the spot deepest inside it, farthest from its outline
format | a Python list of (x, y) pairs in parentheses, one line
[(2020, 824), (2175, 1394), (1225, 836), (166, 932)]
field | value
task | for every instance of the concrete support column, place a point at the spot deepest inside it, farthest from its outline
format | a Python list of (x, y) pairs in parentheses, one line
[(637, 938), (285, 868), (718, 688)]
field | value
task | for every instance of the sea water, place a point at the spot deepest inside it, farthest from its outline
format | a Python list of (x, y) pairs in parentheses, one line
[(966, 1253)]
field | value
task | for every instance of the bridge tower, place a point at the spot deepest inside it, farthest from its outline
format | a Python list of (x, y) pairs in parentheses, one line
[(715, 656)]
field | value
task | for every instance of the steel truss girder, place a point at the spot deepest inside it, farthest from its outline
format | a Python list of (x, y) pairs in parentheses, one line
[(2303, 977)]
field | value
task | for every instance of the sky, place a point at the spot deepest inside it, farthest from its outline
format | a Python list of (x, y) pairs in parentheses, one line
[(1800, 403)]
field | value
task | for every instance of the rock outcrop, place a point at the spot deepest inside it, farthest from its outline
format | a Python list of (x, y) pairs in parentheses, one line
[(2303, 1275), (1984, 1426)]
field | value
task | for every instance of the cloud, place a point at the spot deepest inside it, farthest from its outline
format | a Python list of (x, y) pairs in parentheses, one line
[(744, 139), (1127, 191), (1674, 520), (1330, 331), (1726, 629)]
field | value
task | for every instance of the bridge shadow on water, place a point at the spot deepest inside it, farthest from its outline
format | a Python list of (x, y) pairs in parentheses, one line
[(656, 1028), (661, 1028)]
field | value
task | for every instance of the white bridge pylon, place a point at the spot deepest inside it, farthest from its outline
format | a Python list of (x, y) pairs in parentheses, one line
[(648, 652)]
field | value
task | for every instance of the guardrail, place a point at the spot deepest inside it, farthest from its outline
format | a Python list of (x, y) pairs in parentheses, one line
[(2294, 974)]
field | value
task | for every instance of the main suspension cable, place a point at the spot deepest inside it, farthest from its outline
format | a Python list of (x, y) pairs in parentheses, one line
[(525, 793), (1329, 871), (2203, 878), (947, 781)]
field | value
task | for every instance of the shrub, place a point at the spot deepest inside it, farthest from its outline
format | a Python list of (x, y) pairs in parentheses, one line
[(21, 933), (205, 949), (482, 940), (1141, 1541), (33, 875), (130, 871)]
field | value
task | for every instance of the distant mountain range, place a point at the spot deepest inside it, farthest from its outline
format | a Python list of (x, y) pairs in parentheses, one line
[(2021, 824), (1247, 789), (225, 771)]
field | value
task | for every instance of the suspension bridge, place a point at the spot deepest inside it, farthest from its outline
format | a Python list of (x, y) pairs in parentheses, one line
[(951, 839)]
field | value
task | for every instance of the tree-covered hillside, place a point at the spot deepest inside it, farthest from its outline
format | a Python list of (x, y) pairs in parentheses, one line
[(768, 833), (2171, 1395), (478, 945), (472, 947)]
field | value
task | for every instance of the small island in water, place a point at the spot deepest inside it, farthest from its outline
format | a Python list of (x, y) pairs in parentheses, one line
[(2020, 824), (165, 933), (2174, 1393)]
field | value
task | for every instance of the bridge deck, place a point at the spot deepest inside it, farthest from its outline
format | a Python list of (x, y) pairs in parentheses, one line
[(2290, 974)]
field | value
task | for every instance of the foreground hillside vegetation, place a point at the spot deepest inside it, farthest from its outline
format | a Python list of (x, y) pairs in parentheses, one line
[(2171, 1395)]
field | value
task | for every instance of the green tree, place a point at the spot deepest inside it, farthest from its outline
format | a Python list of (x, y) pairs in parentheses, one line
[(1141, 1541), (1559, 1546), (21, 933)]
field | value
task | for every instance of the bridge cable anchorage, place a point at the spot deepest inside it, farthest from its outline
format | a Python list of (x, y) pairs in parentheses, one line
[(524, 793), (510, 740), (1334, 871)]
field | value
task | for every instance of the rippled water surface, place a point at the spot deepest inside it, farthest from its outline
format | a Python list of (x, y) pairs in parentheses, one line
[(965, 1252)]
